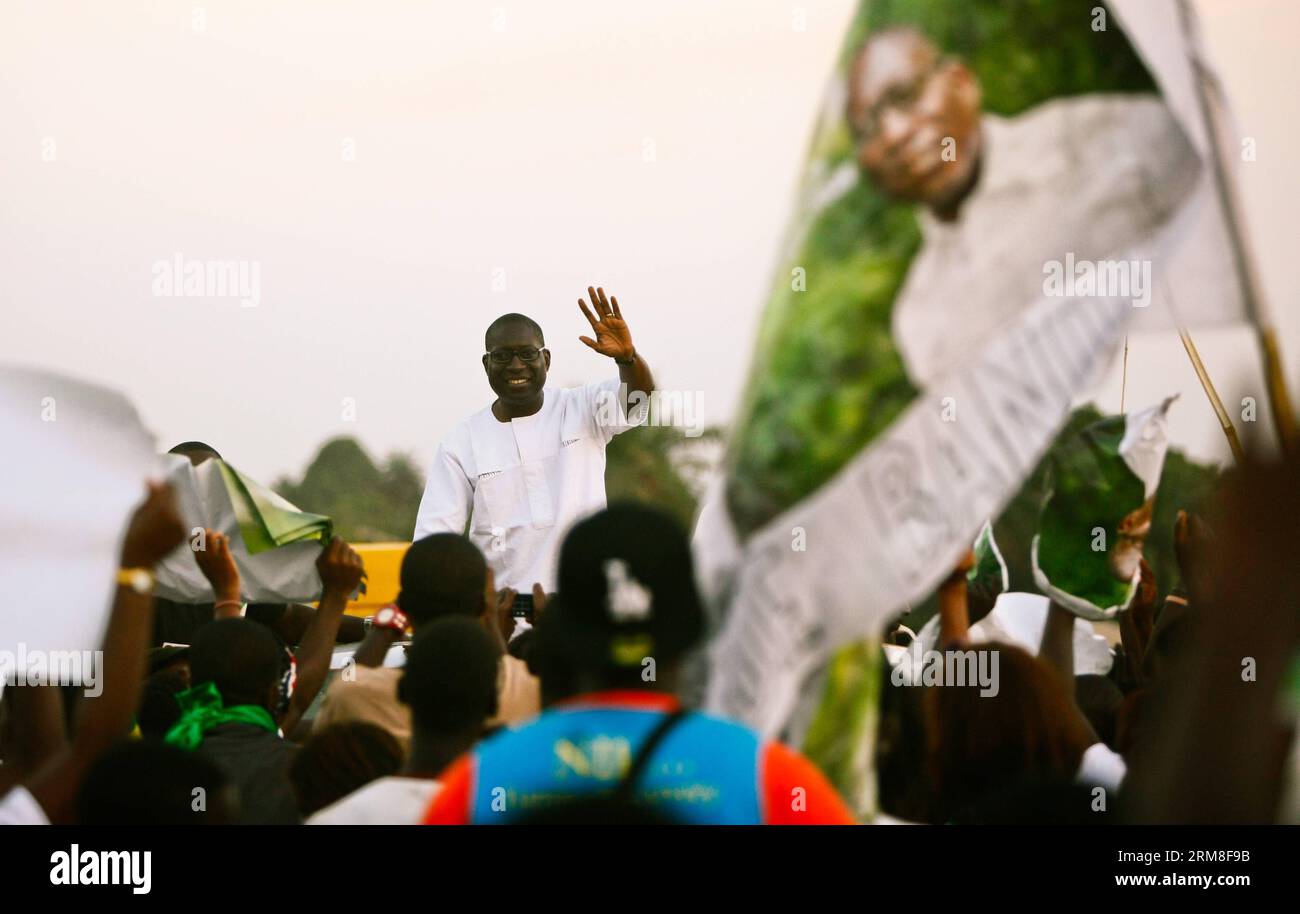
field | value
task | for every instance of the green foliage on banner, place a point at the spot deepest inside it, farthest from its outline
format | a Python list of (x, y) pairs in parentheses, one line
[(1023, 52), (827, 376)]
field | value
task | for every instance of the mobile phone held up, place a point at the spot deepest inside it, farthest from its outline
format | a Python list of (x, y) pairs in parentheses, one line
[(523, 606)]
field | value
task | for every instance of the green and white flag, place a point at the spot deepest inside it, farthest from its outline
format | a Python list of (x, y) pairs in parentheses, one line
[(1017, 618), (266, 520), (1097, 513), (274, 543)]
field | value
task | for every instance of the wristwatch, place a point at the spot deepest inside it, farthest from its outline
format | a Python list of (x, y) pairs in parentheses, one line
[(141, 580), (390, 617)]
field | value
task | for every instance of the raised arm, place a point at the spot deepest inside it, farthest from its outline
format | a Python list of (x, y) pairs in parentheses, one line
[(1056, 648), (154, 531), (954, 615), (1136, 623), (341, 570), (389, 627), (218, 566), (34, 732)]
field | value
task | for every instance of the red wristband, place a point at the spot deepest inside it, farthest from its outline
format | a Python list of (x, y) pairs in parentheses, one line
[(390, 617)]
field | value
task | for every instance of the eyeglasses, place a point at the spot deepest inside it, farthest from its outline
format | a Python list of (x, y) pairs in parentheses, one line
[(506, 356), (899, 97)]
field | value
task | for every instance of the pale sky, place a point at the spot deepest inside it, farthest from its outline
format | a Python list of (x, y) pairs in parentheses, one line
[(385, 162)]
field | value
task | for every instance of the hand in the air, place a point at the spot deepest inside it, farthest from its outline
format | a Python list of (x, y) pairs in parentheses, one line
[(155, 529), (218, 565), (613, 338), (341, 569)]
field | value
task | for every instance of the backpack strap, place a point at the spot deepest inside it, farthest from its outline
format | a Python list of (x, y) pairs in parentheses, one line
[(628, 784)]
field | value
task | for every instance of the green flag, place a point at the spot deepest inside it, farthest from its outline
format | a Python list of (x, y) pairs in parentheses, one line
[(265, 519), (1096, 515)]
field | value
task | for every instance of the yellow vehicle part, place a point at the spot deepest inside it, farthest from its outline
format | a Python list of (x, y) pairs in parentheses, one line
[(383, 563)]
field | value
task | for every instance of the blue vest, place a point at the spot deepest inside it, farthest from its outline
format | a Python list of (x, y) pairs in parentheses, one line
[(705, 771)]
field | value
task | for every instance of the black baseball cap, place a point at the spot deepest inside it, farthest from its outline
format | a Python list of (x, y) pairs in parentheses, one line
[(160, 657), (626, 592)]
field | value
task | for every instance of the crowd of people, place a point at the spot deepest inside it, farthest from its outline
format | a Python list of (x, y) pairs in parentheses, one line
[(474, 726), (578, 718), (574, 703)]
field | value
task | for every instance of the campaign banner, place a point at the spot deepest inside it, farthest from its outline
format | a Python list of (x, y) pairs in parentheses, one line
[(994, 194)]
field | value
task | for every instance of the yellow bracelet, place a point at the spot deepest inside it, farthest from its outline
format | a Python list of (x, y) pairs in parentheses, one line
[(141, 580)]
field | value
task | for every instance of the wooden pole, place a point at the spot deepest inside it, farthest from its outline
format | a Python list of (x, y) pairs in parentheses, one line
[(1123, 384), (1252, 295), (1225, 421)]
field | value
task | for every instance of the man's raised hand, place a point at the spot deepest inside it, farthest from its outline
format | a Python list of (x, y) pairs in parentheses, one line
[(340, 568), (613, 338), (218, 566), (155, 529)]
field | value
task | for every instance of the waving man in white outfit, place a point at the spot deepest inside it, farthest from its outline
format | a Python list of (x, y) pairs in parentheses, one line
[(518, 473)]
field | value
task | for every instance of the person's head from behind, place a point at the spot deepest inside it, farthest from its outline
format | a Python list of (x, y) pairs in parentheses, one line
[(159, 711), (444, 575), (900, 749), (982, 743), (627, 609), (340, 759), (516, 359), (449, 682), (196, 451), (906, 102), (149, 783), (244, 660)]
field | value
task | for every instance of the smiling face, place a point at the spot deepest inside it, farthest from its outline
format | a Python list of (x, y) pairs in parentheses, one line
[(905, 104), (517, 382)]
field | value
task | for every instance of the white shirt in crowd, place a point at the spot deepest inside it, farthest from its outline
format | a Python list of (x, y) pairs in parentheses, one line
[(520, 485), (386, 801), (19, 807), (1101, 766)]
